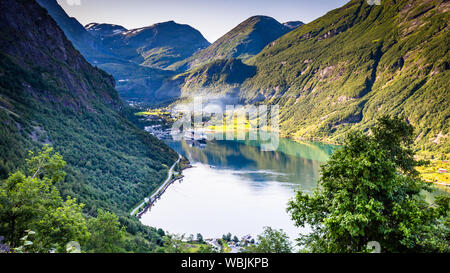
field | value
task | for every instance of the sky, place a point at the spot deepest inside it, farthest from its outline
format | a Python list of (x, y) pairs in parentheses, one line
[(213, 18)]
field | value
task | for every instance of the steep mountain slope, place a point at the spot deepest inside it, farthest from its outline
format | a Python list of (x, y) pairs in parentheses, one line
[(139, 83), (355, 64), (134, 58), (75, 32), (219, 77), (144, 54), (49, 94), (244, 41)]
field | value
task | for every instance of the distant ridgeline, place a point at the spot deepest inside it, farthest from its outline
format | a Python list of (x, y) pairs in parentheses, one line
[(143, 61), (347, 68), (337, 73), (49, 94)]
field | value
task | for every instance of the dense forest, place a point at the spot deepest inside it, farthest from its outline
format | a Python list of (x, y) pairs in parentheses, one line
[(50, 95), (73, 162)]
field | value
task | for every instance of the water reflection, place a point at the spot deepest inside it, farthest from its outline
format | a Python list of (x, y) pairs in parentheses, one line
[(295, 163), (235, 187)]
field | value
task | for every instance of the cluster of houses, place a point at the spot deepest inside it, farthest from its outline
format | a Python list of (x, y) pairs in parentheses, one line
[(158, 131), (193, 139), (235, 246)]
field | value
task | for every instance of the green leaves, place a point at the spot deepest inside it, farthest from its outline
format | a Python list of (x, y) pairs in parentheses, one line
[(46, 165), (62, 225), (107, 235), (369, 192), (271, 241), (34, 202), (25, 242)]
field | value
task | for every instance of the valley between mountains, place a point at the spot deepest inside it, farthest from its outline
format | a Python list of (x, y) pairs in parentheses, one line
[(337, 73), (70, 94)]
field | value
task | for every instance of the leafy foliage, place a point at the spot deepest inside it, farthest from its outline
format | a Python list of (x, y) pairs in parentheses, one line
[(179, 244), (33, 202), (35, 218), (271, 241), (107, 236), (50, 95), (366, 193)]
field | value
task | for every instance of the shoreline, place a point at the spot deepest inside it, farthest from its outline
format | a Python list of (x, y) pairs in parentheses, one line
[(149, 203), (152, 201), (168, 181)]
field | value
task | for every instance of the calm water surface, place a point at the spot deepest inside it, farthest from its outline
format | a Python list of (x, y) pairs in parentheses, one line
[(235, 187)]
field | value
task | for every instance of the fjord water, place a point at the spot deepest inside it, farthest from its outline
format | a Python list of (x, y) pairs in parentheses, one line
[(235, 187)]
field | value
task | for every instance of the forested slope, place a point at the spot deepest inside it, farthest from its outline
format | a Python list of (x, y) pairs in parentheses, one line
[(352, 65), (49, 94)]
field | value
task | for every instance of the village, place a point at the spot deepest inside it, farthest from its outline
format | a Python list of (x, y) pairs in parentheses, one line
[(231, 245), (437, 173)]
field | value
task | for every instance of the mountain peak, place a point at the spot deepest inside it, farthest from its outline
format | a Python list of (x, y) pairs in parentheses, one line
[(101, 30), (171, 22), (156, 46), (261, 17), (244, 41)]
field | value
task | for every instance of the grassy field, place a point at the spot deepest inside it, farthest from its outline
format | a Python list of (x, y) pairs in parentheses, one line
[(434, 172), (157, 113), (153, 112)]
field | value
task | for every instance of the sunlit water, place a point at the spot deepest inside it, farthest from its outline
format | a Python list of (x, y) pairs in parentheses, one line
[(235, 187)]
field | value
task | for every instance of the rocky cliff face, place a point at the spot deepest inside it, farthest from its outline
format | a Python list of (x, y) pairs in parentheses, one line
[(74, 31), (35, 41), (156, 46), (136, 58), (49, 94)]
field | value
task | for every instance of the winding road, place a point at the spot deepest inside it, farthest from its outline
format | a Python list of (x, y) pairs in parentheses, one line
[(169, 176)]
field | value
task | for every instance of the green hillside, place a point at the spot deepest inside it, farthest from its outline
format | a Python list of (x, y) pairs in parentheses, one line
[(222, 76), (242, 42), (49, 94), (357, 63)]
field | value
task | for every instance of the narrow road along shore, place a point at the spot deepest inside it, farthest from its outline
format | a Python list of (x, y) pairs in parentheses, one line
[(169, 176)]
